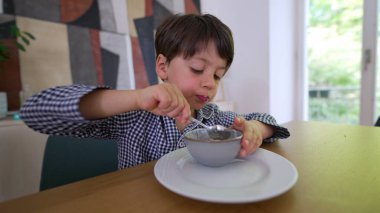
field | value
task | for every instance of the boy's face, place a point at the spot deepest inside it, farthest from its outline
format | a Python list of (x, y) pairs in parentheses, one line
[(197, 77)]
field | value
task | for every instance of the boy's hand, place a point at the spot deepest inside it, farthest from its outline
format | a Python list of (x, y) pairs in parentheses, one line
[(165, 99), (253, 134)]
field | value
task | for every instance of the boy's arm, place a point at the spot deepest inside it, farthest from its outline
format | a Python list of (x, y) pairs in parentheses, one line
[(162, 99), (102, 103), (70, 109)]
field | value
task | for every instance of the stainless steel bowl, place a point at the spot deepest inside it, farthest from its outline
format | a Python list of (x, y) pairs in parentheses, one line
[(212, 148)]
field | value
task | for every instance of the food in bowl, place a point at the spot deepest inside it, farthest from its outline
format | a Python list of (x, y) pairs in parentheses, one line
[(212, 148)]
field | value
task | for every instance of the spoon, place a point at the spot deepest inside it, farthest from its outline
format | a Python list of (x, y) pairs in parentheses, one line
[(215, 132), (215, 127)]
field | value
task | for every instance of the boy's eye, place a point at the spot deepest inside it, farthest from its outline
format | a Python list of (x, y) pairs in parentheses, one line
[(196, 71), (216, 77)]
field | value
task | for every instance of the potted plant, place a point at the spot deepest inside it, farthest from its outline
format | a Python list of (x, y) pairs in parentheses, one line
[(23, 38)]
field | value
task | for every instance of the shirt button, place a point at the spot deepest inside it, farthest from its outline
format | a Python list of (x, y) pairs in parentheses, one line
[(181, 144)]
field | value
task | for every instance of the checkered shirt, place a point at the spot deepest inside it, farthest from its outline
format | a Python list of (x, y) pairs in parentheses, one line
[(141, 136)]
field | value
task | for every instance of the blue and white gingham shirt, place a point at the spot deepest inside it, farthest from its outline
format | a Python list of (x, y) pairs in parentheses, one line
[(141, 136)]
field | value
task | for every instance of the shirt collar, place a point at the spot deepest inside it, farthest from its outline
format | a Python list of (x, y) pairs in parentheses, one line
[(206, 112)]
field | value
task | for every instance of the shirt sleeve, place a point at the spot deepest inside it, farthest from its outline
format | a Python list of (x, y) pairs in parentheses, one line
[(56, 111)]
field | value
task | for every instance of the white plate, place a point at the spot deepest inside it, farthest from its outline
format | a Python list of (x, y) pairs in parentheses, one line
[(260, 176)]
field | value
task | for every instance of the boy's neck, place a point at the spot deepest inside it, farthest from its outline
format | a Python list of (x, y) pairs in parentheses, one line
[(194, 113)]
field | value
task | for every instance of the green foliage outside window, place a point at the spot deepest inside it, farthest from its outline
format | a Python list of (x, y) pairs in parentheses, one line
[(334, 59)]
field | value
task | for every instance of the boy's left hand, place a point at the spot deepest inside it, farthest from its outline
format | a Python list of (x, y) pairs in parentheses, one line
[(252, 134)]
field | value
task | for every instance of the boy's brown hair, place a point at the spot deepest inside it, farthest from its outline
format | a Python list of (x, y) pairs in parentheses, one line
[(188, 34)]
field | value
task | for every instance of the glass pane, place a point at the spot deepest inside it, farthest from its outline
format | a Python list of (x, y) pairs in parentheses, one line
[(334, 59)]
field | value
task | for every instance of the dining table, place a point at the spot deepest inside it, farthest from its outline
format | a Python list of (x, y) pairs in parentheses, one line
[(337, 166)]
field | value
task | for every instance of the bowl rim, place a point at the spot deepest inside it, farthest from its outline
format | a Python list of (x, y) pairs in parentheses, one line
[(234, 139)]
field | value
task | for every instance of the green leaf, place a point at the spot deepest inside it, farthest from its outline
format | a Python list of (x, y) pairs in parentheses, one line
[(30, 35), (25, 40), (15, 31), (20, 47), (3, 52), (2, 47)]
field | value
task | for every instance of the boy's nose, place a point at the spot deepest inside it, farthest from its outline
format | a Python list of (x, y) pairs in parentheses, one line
[(209, 82)]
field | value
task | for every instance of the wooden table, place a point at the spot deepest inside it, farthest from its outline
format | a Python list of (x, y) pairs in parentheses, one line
[(338, 169)]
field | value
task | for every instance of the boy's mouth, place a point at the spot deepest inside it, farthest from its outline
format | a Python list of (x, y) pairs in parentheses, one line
[(202, 98)]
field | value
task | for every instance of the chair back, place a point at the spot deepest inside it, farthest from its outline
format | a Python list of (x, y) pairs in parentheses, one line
[(378, 122), (69, 159)]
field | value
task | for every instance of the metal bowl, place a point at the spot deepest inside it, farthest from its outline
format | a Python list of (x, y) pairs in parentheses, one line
[(212, 148)]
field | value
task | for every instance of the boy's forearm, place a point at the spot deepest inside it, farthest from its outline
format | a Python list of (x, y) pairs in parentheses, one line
[(103, 103)]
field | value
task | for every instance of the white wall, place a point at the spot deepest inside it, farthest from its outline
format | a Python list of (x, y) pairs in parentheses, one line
[(282, 55), (262, 76)]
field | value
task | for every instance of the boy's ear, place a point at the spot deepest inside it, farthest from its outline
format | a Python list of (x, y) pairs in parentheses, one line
[(161, 67)]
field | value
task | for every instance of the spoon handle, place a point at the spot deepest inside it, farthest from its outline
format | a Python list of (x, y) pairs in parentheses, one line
[(200, 123)]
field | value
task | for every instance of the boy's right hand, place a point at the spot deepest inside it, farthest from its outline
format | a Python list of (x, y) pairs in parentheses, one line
[(165, 99)]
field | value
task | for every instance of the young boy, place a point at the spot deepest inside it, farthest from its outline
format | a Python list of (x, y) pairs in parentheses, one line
[(193, 53)]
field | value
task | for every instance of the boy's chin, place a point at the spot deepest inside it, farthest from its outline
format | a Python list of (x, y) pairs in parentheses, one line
[(198, 106)]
